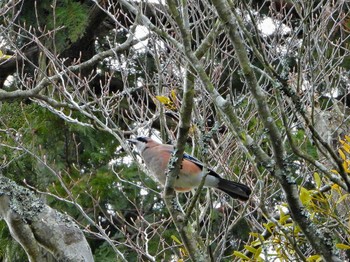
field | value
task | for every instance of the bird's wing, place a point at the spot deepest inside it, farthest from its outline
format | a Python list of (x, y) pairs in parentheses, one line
[(200, 164), (170, 149), (193, 160)]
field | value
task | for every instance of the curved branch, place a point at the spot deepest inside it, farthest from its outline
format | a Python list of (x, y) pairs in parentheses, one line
[(5, 95), (34, 225)]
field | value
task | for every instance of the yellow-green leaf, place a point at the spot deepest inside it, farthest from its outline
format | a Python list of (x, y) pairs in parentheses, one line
[(284, 219), (283, 216), (173, 94), (305, 196), (250, 249), (346, 166), (347, 138), (269, 226), (254, 234), (257, 253), (163, 99), (173, 237), (240, 255), (256, 243), (166, 101), (314, 258), (317, 180), (342, 155), (336, 187), (346, 147), (297, 230), (3, 56), (341, 199), (342, 246)]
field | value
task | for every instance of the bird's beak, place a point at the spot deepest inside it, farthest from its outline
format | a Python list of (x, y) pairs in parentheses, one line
[(132, 141)]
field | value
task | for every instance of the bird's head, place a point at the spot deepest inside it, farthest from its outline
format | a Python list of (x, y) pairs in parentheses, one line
[(141, 143)]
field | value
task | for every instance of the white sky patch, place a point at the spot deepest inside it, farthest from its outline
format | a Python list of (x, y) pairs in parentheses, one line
[(9, 81), (143, 192), (2, 42), (140, 32), (269, 26)]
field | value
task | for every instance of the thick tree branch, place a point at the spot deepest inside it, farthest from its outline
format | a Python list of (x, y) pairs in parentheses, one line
[(34, 224), (186, 231), (5, 95)]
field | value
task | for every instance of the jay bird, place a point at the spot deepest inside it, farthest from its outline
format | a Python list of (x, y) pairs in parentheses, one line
[(156, 157)]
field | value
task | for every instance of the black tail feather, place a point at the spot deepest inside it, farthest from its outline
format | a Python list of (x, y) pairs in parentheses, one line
[(234, 189)]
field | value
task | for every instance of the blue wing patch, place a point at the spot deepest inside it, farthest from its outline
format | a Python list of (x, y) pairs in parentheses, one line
[(193, 160)]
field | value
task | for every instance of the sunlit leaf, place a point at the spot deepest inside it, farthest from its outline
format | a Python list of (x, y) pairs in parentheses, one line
[(284, 219), (173, 95), (317, 180), (342, 155), (163, 99), (336, 188), (297, 230), (283, 216), (257, 253), (240, 255), (305, 196), (250, 249), (346, 146), (269, 226), (347, 138), (342, 246), (173, 237), (166, 101), (254, 234), (346, 166), (3, 56), (314, 258), (256, 243)]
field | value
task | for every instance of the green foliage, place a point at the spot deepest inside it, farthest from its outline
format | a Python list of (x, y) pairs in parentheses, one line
[(68, 19), (10, 250), (64, 146), (346, 62), (14, 116), (73, 16), (105, 253), (302, 141)]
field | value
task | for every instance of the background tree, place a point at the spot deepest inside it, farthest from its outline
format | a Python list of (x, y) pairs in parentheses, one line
[(257, 90)]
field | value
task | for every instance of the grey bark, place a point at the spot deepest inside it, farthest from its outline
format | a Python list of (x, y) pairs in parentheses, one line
[(38, 227)]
